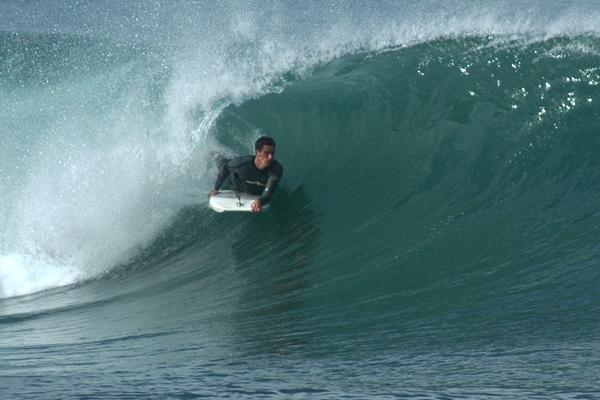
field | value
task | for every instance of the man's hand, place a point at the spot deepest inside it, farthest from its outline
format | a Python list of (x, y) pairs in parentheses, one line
[(213, 192), (256, 206)]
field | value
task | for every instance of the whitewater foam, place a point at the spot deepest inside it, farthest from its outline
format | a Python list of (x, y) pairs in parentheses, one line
[(22, 274)]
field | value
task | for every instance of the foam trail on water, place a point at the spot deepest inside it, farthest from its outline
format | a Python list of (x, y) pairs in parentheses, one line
[(22, 274)]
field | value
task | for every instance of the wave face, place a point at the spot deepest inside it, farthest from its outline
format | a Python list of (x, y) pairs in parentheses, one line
[(435, 233)]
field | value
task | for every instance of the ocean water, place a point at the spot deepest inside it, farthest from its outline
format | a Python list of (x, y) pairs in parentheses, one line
[(435, 235)]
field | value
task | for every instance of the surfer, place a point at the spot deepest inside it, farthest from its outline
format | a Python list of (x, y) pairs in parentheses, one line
[(258, 175)]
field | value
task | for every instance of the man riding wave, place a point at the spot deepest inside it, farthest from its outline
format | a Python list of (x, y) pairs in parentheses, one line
[(258, 175)]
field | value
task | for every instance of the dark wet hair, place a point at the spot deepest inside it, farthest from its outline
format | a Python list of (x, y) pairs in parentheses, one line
[(262, 141)]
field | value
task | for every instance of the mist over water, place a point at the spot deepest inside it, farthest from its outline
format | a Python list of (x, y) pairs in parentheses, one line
[(435, 233)]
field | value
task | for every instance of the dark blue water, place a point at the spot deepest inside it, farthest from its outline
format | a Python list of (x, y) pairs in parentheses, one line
[(435, 234)]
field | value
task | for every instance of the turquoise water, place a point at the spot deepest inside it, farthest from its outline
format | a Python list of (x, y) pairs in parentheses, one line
[(435, 234)]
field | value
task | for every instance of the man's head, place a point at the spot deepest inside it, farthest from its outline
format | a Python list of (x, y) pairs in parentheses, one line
[(265, 151)]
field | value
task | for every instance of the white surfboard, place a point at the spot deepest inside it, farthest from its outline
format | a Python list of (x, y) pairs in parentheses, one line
[(228, 200)]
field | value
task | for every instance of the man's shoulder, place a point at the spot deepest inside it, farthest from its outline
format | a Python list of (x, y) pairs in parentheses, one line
[(276, 168)]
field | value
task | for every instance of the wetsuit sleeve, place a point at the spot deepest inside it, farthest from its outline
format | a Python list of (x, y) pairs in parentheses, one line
[(270, 187), (223, 173), (271, 184)]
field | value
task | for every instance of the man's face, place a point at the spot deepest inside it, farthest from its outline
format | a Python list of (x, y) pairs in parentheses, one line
[(264, 156)]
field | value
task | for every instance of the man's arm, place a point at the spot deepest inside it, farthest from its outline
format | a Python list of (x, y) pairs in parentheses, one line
[(272, 183), (221, 176), (270, 187)]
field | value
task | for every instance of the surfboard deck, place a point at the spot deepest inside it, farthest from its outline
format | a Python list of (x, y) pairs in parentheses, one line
[(228, 200)]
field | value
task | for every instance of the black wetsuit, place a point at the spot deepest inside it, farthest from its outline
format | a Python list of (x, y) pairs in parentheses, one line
[(245, 177)]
